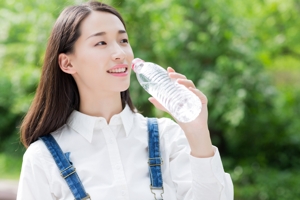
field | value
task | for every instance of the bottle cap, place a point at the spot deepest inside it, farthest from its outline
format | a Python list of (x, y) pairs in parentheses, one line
[(136, 61)]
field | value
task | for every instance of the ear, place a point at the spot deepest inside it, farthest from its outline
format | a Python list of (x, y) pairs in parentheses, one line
[(65, 64)]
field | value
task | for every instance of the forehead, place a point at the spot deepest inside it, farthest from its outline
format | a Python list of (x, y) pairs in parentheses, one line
[(99, 21)]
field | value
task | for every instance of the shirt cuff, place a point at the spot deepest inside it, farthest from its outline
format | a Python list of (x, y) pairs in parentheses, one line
[(208, 169)]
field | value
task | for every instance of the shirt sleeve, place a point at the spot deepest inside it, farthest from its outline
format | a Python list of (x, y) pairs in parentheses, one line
[(195, 178), (33, 183), (209, 178)]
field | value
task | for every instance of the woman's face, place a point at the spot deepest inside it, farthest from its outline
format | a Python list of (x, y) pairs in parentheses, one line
[(102, 54)]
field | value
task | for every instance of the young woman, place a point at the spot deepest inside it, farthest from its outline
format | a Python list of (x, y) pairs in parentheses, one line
[(83, 102)]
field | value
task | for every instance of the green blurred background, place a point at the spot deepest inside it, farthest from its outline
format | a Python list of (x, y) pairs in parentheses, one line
[(244, 55)]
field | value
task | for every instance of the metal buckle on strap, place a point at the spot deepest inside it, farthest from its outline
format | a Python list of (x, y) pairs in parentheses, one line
[(61, 173), (161, 194), (87, 197), (156, 164)]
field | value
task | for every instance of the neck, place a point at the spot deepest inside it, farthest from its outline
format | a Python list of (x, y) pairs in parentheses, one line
[(101, 105)]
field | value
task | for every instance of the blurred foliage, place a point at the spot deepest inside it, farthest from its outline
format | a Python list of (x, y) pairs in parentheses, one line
[(256, 183), (244, 55), (9, 166)]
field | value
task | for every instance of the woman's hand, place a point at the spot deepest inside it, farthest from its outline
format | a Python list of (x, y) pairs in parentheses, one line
[(196, 131)]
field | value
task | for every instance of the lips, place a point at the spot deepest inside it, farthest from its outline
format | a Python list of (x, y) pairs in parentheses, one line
[(117, 70)]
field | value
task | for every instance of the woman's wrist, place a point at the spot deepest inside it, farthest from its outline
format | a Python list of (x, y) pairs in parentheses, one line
[(200, 143)]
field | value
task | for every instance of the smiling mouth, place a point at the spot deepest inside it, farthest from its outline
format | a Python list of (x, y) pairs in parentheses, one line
[(118, 70)]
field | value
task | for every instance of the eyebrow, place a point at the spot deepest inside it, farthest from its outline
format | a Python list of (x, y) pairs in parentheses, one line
[(104, 33)]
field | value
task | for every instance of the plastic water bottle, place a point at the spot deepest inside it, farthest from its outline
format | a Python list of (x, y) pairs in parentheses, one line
[(182, 103)]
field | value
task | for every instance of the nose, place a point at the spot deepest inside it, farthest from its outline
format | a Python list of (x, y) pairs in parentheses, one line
[(118, 53)]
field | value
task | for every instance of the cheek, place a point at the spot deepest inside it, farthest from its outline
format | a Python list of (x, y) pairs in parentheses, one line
[(81, 58), (92, 58), (129, 54)]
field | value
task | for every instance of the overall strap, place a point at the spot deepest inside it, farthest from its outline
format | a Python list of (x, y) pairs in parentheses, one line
[(67, 170), (155, 161)]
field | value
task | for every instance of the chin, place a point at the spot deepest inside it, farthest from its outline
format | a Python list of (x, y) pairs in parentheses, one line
[(124, 88)]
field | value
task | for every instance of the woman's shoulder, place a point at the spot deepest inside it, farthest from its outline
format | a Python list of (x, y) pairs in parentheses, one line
[(34, 149), (38, 150), (35, 154)]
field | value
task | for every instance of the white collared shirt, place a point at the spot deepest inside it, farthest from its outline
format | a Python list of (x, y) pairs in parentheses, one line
[(111, 161)]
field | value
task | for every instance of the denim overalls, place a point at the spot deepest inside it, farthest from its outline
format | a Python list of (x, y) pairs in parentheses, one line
[(68, 171)]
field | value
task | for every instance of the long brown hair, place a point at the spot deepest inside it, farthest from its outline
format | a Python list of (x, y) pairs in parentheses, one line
[(57, 93)]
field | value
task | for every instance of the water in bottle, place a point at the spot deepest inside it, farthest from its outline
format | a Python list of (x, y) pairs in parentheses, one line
[(183, 104)]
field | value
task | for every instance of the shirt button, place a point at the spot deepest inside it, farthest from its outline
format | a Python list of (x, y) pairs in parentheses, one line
[(123, 193), (118, 167)]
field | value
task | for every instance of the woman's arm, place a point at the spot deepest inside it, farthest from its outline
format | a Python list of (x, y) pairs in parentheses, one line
[(194, 178), (209, 179), (33, 183), (196, 132)]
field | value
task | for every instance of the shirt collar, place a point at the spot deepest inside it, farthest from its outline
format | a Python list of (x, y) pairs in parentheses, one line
[(85, 124), (127, 119)]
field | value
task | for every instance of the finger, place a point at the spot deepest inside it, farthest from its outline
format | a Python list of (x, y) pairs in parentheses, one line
[(157, 104), (175, 75), (187, 83), (200, 94), (170, 69)]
